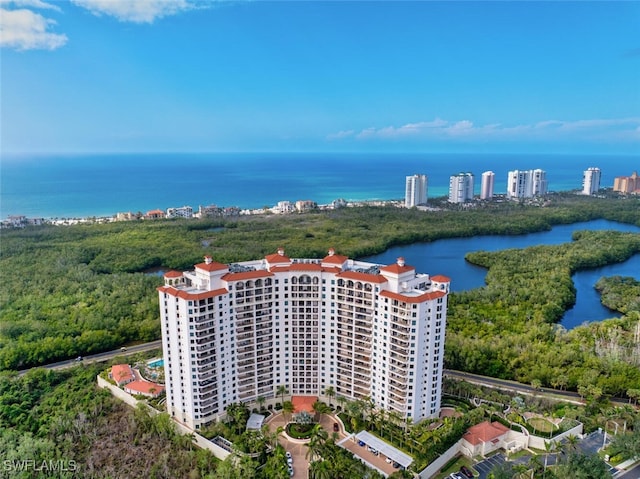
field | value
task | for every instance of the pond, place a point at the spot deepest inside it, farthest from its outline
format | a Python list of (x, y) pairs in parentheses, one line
[(447, 257)]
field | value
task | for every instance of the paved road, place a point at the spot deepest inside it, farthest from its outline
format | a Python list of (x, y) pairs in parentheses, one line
[(569, 396), (102, 357), (631, 473)]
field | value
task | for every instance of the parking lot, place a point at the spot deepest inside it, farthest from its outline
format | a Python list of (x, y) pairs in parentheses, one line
[(484, 467)]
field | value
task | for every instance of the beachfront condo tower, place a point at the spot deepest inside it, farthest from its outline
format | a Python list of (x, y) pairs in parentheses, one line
[(591, 181), (526, 184), (237, 332), (415, 191), (461, 188), (486, 188)]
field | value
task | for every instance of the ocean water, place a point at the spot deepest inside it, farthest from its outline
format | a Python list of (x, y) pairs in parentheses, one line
[(53, 186)]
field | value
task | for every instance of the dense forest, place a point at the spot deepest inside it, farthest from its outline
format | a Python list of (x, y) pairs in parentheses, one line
[(67, 291), (509, 328), (61, 418)]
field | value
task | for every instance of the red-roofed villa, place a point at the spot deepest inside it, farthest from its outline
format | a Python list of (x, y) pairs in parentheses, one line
[(485, 438)]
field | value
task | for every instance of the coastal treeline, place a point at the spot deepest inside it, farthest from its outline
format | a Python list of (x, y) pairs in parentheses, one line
[(69, 291)]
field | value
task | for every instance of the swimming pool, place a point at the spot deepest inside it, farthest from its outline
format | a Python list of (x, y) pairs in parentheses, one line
[(156, 363)]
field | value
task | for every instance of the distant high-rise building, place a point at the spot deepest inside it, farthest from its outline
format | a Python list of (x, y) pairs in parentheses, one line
[(488, 180), (591, 181), (416, 191), (461, 188), (526, 183), (627, 184)]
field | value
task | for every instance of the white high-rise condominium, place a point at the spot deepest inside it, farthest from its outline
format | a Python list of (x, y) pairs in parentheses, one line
[(526, 183), (235, 332), (488, 181), (415, 191), (461, 188), (591, 181)]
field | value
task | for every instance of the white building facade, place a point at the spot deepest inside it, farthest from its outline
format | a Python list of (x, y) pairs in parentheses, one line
[(461, 188), (591, 181), (234, 333), (416, 188), (487, 185), (526, 183)]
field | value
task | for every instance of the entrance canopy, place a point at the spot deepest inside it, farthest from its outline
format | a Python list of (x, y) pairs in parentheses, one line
[(385, 448), (255, 421), (303, 403)]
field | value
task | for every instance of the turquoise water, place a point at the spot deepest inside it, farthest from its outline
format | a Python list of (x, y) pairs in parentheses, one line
[(157, 363), (102, 185)]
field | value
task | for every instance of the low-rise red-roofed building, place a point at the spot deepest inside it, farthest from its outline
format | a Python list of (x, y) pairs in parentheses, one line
[(121, 374), (236, 332), (485, 438), (144, 388)]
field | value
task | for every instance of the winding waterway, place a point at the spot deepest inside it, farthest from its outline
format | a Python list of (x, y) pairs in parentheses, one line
[(447, 257)]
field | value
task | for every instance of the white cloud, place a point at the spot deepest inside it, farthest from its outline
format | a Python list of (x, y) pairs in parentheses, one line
[(23, 29), (39, 4), (136, 11), (439, 129), (340, 135)]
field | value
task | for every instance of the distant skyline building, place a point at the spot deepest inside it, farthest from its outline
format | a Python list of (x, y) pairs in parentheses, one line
[(487, 185), (627, 184), (236, 332), (415, 191), (526, 183), (461, 188), (591, 181)]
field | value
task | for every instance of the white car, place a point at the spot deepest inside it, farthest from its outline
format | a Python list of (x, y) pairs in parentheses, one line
[(389, 460), (289, 459)]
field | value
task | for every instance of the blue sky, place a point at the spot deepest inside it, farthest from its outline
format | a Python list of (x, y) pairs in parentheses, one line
[(162, 75)]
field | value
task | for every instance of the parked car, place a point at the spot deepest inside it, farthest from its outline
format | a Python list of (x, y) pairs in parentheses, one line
[(289, 459), (361, 443), (389, 460), (336, 428), (396, 465), (79, 358), (466, 471), (291, 471)]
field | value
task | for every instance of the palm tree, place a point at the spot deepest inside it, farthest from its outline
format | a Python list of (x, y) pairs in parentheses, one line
[(549, 446), (320, 470), (282, 390), (287, 408), (320, 408), (317, 441), (342, 401), (330, 393), (260, 400)]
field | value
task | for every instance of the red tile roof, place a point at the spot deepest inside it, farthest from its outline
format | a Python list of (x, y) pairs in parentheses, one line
[(180, 293), (210, 267), (121, 373), (277, 258), (303, 403), (172, 274), (441, 278), (485, 432), (366, 277), (413, 299), (247, 275), (335, 259), (397, 269), (144, 387)]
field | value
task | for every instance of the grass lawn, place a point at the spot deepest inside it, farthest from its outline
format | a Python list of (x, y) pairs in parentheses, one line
[(542, 425)]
